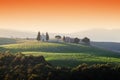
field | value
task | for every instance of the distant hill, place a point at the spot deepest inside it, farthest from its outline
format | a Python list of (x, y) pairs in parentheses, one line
[(16, 34), (23, 34), (4, 41), (95, 34), (100, 35), (107, 45)]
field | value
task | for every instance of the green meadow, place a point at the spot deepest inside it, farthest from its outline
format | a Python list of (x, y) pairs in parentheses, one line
[(7, 41), (63, 54)]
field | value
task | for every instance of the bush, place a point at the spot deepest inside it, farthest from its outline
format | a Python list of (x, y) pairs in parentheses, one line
[(21, 67), (76, 40)]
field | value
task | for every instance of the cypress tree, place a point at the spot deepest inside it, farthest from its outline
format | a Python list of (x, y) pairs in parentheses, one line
[(64, 38), (38, 36), (47, 36)]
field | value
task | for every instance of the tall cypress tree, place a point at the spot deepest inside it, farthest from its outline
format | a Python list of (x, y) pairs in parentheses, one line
[(64, 38), (47, 36), (38, 36)]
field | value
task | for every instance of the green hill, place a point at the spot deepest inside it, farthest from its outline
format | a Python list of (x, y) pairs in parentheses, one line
[(64, 54), (7, 41)]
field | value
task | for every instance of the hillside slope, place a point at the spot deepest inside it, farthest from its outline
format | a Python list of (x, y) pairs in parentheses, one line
[(4, 41), (64, 54), (108, 45), (35, 46)]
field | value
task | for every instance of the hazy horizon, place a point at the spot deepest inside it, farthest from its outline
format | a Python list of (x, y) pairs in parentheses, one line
[(93, 34), (60, 16)]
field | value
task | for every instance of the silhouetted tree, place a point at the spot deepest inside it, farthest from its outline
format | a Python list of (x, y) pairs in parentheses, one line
[(86, 40), (58, 37), (38, 36), (47, 36), (63, 38), (76, 40)]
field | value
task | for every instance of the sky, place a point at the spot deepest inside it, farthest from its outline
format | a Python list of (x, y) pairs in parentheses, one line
[(59, 16)]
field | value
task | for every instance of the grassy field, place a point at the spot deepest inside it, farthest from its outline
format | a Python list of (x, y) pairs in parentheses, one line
[(64, 54), (7, 41), (74, 59)]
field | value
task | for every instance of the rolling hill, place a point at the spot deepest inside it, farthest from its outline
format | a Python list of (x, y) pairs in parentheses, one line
[(64, 54), (100, 35), (35, 46), (4, 41), (113, 46)]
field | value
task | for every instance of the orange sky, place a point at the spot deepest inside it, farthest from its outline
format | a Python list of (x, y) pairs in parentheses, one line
[(59, 15)]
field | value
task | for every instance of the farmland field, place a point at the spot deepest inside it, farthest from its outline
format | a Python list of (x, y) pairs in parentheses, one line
[(64, 54)]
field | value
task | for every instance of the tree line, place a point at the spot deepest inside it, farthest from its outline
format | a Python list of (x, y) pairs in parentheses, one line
[(85, 40)]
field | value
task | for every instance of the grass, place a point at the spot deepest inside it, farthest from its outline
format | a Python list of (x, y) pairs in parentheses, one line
[(64, 54), (33, 46), (7, 41), (73, 59)]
